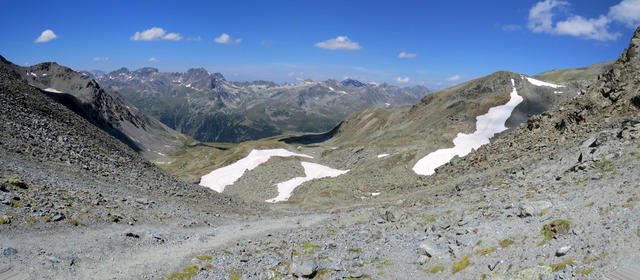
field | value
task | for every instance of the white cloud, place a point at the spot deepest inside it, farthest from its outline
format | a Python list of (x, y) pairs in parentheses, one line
[(152, 59), (224, 38), (586, 28), (511, 27), (46, 36), (97, 58), (454, 78), (406, 55), (541, 17), (155, 33), (626, 12), (172, 36), (338, 43), (541, 20), (402, 80)]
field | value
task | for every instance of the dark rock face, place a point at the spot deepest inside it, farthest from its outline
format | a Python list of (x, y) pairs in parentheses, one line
[(208, 107), (105, 109)]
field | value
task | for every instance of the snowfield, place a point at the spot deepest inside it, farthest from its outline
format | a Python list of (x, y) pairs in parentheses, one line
[(382, 155), (52, 90), (313, 171), (542, 84), (218, 179), (487, 126)]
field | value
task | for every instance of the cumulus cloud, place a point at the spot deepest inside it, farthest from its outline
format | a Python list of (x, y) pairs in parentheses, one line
[(511, 27), (406, 55), (402, 80), (224, 38), (152, 59), (339, 43), (626, 12), (454, 78), (155, 33), (594, 28), (46, 36), (97, 58), (541, 17), (541, 20)]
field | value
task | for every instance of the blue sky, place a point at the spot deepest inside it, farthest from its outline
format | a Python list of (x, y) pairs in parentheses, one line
[(444, 42)]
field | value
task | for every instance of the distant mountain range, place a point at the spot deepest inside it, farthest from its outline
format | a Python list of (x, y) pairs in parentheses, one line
[(209, 108)]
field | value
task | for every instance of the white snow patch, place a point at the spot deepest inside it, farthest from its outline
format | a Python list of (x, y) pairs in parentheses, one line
[(375, 194), (487, 126), (387, 104), (44, 74), (218, 179), (33, 74), (313, 171), (542, 84), (382, 155), (555, 91), (52, 90), (331, 89)]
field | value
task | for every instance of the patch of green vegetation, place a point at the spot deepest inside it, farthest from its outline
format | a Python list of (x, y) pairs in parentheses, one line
[(17, 203), (506, 243), (588, 204), (461, 265), (74, 222), (545, 211), (479, 242), (3, 221), (604, 165), (585, 271), (486, 251), (17, 182), (234, 274), (355, 250), (560, 266), (554, 228), (187, 273), (204, 258), (12, 214), (627, 205), (436, 268), (31, 220), (638, 233), (310, 246)]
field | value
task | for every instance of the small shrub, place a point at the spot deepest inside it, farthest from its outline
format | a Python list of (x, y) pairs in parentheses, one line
[(17, 182), (555, 228), (17, 203), (506, 243), (560, 266), (204, 258), (486, 251), (585, 271), (461, 265), (3, 221), (436, 268)]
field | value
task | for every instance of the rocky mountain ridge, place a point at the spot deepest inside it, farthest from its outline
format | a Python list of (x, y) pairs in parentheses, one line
[(105, 109), (209, 108)]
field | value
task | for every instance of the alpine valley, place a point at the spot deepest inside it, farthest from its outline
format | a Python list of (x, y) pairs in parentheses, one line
[(156, 175)]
